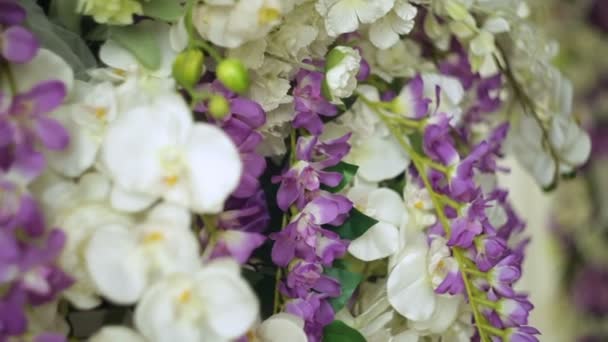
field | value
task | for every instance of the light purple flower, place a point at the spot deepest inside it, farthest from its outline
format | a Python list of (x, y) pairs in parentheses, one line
[(237, 244), (28, 113), (305, 276), (310, 103), (438, 143), (11, 13), (315, 310)]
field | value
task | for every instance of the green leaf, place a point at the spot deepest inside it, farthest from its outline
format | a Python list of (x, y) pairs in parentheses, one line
[(338, 331), (348, 283), (347, 170), (141, 41), (163, 9), (356, 225), (64, 12)]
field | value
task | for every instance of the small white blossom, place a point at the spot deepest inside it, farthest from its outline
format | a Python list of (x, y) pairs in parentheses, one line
[(343, 16)]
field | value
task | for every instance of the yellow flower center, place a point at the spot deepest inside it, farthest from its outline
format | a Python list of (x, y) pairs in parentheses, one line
[(267, 15), (419, 205), (184, 297), (171, 180), (101, 113), (154, 237)]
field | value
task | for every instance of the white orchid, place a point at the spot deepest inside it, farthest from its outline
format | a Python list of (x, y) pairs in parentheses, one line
[(123, 260), (382, 239), (156, 150), (80, 209), (213, 304), (343, 16)]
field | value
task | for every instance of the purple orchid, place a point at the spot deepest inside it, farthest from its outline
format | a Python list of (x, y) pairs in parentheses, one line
[(305, 276), (437, 142)]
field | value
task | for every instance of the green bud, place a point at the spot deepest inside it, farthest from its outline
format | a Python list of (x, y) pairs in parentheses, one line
[(188, 67), (218, 106), (233, 75)]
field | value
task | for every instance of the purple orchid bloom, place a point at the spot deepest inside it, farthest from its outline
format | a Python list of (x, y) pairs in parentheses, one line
[(310, 103)]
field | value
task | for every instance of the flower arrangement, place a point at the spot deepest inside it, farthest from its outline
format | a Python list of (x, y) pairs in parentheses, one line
[(269, 170)]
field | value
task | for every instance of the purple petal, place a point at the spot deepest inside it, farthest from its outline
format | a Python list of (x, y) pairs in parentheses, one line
[(18, 45), (46, 96), (52, 134)]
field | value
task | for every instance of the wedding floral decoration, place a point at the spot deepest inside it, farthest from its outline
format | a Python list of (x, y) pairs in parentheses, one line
[(265, 170)]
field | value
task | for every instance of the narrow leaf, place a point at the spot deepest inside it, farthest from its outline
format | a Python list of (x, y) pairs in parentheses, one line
[(338, 331), (163, 9), (356, 225), (348, 283), (347, 170), (141, 41)]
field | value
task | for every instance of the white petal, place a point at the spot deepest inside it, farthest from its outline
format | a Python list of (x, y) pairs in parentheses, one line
[(116, 333), (409, 288), (129, 201), (82, 150), (387, 206), (94, 186), (232, 305), (341, 18), (378, 242), (215, 168), (166, 212), (157, 314), (445, 314), (134, 165), (178, 36), (44, 67), (117, 57), (117, 271), (407, 336), (282, 327), (370, 11), (382, 35), (379, 158)]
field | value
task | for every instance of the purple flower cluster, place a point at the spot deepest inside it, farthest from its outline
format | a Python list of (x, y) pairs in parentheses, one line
[(28, 251), (245, 214), (304, 246), (484, 226)]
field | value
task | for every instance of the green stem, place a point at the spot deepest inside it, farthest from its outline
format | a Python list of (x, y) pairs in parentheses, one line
[(210, 226), (9, 75), (493, 330), (301, 65)]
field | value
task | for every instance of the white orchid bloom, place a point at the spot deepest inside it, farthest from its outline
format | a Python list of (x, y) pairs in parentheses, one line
[(411, 283), (124, 260), (343, 16), (386, 32), (452, 94), (213, 304), (382, 239), (156, 150), (80, 209)]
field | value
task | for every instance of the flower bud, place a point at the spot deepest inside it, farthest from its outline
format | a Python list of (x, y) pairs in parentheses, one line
[(342, 65), (188, 67), (218, 106), (233, 75)]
